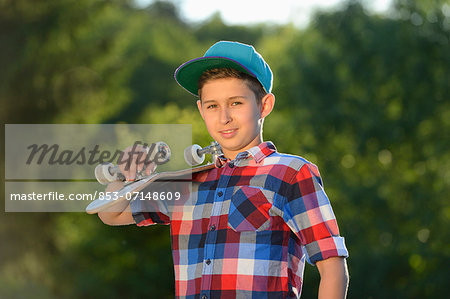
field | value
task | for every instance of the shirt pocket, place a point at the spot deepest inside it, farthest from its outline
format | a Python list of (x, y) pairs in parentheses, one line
[(249, 209)]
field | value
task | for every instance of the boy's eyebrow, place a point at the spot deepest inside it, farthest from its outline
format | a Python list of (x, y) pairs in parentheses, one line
[(237, 97), (207, 101), (230, 98)]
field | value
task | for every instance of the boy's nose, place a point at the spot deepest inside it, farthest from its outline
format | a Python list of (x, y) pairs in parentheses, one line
[(225, 116)]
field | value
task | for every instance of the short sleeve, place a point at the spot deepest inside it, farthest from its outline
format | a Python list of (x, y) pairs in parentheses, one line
[(147, 212), (308, 213)]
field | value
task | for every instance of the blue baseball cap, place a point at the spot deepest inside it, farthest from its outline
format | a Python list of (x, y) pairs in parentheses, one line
[(225, 54)]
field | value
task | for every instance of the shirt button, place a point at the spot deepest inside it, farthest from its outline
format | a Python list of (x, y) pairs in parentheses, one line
[(212, 227), (231, 164), (220, 193), (208, 261), (204, 297)]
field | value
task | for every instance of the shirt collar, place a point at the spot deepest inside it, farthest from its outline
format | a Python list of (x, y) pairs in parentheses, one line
[(258, 153)]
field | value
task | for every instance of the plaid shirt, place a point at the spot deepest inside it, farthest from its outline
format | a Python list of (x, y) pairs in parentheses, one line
[(248, 227)]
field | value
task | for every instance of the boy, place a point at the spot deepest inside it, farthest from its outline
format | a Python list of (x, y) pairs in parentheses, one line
[(258, 215)]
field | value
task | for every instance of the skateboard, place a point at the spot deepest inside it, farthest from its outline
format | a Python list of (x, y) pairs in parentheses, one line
[(109, 173)]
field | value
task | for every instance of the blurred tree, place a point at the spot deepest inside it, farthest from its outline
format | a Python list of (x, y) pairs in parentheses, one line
[(67, 61), (368, 98), (54, 61), (214, 29)]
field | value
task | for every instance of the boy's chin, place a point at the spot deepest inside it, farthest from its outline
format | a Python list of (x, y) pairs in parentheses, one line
[(233, 146)]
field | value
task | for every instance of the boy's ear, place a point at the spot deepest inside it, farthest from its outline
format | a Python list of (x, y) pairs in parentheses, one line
[(199, 106), (267, 103)]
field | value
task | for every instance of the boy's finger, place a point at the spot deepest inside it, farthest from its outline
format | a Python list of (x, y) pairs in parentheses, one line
[(140, 158), (132, 170), (150, 168), (123, 162)]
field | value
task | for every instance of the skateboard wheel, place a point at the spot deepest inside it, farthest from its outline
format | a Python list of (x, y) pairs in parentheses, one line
[(103, 174), (164, 152), (191, 155), (158, 152)]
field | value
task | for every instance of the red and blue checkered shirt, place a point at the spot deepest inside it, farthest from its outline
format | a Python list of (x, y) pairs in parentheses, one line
[(248, 227)]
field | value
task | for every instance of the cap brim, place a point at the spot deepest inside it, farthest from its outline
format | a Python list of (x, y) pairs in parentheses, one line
[(187, 74)]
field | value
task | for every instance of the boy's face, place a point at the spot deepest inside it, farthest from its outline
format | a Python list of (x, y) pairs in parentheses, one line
[(231, 114)]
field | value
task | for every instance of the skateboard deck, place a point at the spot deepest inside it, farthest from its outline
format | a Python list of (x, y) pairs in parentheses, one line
[(101, 204)]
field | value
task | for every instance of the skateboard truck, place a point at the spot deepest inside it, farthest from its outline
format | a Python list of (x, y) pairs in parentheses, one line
[(107, 173), (195, 154)]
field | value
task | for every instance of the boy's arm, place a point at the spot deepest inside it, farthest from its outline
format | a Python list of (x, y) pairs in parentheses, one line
[(333, 278), (309, 214), (119, 214), (117, 218)]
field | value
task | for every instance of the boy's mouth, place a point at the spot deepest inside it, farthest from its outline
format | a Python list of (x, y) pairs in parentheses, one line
[(228, 133)]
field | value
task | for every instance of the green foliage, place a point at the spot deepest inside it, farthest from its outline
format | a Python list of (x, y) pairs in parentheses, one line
[(372, 98), (113, 262), (365, 97)]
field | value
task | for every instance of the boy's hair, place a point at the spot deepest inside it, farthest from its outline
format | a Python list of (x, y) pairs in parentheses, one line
[(222, 73)]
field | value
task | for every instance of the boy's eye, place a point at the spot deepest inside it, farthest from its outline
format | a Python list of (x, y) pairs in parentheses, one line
[(236, 103), (211, 106)]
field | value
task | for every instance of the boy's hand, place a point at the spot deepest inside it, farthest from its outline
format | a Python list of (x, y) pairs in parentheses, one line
[(134, 160)]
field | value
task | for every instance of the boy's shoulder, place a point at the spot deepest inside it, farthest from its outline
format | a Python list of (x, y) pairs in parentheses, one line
[(290, 168), (267, 156), (284, 159)]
